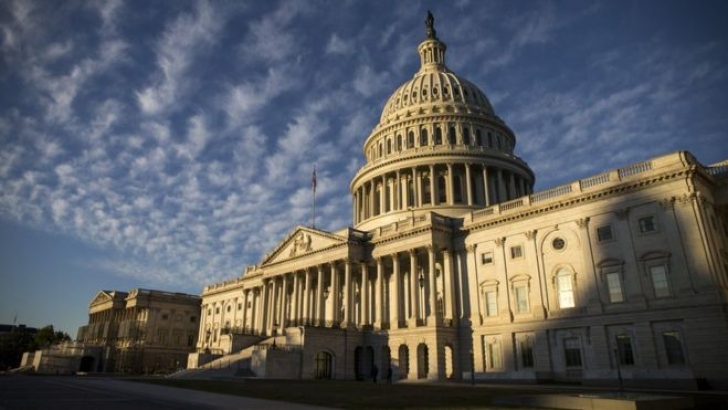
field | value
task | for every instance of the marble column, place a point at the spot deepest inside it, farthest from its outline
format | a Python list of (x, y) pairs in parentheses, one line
[(334, 294), (395, 295), (348, 306), (365, 319), (486, 185), (378, 305), (320, 308), (307, 317), (432, 285), (414, 290), (450, 191)]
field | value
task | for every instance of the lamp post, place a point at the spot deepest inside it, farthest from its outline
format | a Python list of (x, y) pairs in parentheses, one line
[(275, 334), (472, 368), (619, 369)]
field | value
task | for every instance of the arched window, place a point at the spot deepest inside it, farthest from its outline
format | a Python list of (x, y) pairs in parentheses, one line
[(423, 138), (565, 288), (410, 192), (457, 189), (441, 189), (411, 140), (438, 136), (451, 135), (478, 138), (389, 146), (426, 194), (466, 136), (399, 142), (490, 140), (379, 153)]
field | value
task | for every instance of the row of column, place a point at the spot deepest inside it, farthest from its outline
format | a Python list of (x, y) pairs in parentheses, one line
[(386, 295), (398, 290), (416, 187)]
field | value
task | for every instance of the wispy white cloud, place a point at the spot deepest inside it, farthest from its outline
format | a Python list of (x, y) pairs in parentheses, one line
[(269, 39), (185, 142), (183, 40), (337, 45)]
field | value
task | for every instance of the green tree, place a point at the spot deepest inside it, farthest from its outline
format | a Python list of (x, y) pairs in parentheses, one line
[(19, 341), (47, 336), (12, 347)]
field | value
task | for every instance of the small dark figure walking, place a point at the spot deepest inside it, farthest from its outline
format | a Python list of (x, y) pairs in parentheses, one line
[(375, 371), (389, 376)]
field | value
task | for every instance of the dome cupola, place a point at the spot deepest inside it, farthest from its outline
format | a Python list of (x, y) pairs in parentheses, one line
[(438, 146)]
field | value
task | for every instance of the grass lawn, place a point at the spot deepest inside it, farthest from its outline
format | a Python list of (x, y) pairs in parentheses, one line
[(366, 395)]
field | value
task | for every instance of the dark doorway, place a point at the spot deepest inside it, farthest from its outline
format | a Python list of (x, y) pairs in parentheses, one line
[(323, 366), (87, 364)]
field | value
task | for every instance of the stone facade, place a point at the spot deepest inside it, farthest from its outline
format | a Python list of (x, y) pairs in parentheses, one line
[(455, 268), (142, 331)]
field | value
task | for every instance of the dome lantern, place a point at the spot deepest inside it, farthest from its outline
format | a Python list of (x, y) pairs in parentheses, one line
[(432, 50)]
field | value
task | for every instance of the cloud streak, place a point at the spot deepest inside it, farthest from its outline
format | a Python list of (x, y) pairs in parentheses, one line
[(181, 139)]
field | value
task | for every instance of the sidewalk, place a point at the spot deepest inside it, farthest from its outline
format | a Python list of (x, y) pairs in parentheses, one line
[(192, 397)]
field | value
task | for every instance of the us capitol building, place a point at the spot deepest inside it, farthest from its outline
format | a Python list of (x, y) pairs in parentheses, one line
[(455, 269)]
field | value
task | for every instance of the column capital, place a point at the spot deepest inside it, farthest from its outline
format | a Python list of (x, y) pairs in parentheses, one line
[(471, 248), (583, 222)]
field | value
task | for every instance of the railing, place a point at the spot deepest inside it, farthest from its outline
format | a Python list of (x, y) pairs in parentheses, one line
[(511, 204), (593, 181), (717, 171), (551, 193), (239, 330), (634, 169), (577, 186)]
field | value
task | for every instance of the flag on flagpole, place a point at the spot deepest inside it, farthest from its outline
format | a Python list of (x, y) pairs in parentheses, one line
[(313, 180)]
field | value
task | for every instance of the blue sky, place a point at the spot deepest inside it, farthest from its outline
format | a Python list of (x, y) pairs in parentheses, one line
[(168, 144)]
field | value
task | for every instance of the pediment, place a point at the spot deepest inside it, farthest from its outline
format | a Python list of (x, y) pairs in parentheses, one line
[(302, 241), (102, 297)]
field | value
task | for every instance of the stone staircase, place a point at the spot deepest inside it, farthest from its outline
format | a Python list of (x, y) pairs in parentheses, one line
[(236, 364)]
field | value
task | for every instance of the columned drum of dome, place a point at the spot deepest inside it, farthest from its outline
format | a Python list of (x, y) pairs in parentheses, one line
[(438, 147)]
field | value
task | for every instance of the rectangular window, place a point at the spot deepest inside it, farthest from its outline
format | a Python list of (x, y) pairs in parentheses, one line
[(572, 352), (486, 258), (647, 224), (516, 252), (604, 233), (624, 350), (192, 319), (614, 285), (190, 340), (673, 348), (162, 336), (491, 303), (494, 355), (521, 299), (659, 281), (566, 291), (526, 347), (165, 316)]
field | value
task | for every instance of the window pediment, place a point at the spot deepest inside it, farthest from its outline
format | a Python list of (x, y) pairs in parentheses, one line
[(654, 256)]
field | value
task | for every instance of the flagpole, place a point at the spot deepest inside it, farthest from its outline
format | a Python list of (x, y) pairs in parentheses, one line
[(313, 185)]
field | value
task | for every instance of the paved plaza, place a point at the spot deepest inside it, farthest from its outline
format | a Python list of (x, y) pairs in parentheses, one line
[(78, 393)]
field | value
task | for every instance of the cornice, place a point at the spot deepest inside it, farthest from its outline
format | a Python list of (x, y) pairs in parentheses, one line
[(619, 189)]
